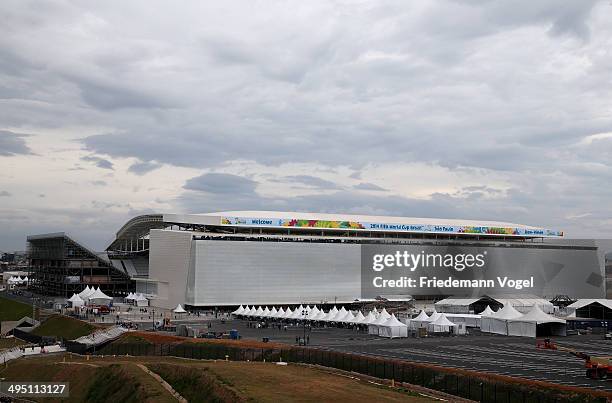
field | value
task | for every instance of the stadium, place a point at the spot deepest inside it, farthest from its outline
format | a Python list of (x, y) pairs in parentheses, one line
[(272, 258)]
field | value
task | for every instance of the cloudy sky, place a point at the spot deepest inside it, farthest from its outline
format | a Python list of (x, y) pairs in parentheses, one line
[(495, 110)]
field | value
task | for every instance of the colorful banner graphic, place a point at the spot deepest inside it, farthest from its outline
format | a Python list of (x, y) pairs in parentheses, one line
[(370, 226)]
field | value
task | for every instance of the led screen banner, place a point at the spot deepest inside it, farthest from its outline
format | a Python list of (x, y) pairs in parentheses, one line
[(471, 271), (394, 227)]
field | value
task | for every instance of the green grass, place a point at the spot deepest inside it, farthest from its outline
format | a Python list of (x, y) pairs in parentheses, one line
[(13, 310), (63, 327)]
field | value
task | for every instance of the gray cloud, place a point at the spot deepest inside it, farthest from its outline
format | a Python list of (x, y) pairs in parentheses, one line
[(143, 167), (501, 88), (98, 161), (368, 186), (223, 184), (12, 144), (310, 181), (4, 193)]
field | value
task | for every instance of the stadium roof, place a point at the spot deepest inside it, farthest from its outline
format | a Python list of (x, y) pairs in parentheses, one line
[(360, 222), (299, 222)]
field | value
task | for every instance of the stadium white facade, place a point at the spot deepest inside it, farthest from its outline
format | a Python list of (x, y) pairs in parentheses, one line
[(262, 257)]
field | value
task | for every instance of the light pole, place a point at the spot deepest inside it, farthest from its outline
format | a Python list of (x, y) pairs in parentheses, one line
[(304, 316), (153, 319)]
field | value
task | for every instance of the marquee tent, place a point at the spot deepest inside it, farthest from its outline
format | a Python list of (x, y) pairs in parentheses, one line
[(384, 314), (421, 320), (238, 311), (359, 317), (537, 323), (179, 309), (373, 327), (370, 318), (393, 328), (86, 292), (434, 315), (99, 298), (339, 314), (591, 308), (75, 301), (498, 322), (470, 320), (348, 318), (140, 300), (441, 324), (487, 311)]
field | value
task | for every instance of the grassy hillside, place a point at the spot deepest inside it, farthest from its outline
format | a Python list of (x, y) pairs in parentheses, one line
[(119, 379), (90, 381), (63, 327), (13, 310)]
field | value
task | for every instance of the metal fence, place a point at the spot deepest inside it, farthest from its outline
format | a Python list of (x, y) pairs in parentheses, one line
[(450, 381)]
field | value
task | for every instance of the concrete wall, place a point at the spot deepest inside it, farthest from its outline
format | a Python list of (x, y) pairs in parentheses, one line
[(169, 257), (244, 272)]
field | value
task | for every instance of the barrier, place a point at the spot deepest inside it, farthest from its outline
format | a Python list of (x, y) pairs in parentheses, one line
[(465, 384)]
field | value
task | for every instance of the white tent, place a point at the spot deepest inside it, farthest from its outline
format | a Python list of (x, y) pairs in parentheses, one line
[(348, 318), (130, 297), (384, 314), (259, 312), (434, 315), (75, 301), (288, 313), (393, 328), (280, 313), (421, 320), (86, 292), (266, 312), (99, 298), (536, 320), (179, 309), (238, 310), (320, 316), (358, 318), (487, 311), (338, 315), (441, 324), (467, 319), (313, 313), (370, 318), (498, 322), (373, 326), (140, 300), (273, 312)]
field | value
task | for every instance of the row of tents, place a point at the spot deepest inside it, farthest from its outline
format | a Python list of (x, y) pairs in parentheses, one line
[(137, 299), (508, 321), (436, 323), (16, 280), (378, 323), (90, 296)]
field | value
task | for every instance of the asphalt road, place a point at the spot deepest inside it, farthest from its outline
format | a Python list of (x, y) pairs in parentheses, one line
[(504, 355)]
